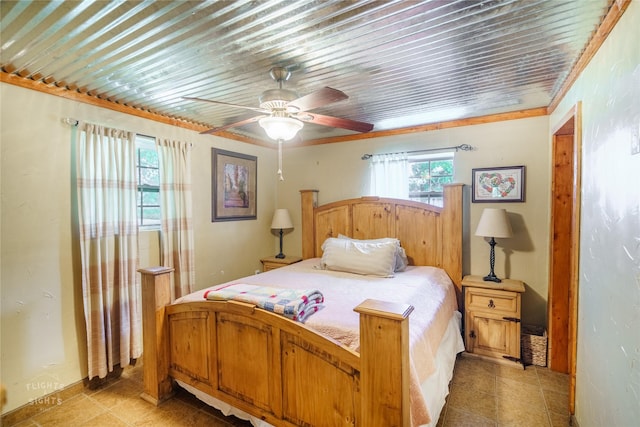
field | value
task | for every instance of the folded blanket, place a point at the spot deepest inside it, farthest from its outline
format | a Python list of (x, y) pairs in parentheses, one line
[(294, 304)]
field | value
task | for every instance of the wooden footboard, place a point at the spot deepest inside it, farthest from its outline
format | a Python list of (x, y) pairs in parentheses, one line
[(274, 368)]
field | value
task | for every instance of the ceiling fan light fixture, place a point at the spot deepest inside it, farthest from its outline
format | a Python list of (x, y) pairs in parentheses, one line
[(280, 128)]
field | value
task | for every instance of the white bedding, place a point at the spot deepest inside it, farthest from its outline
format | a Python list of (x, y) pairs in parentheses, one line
[(428, 289)]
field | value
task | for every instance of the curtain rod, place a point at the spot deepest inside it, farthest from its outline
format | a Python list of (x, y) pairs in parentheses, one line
[(463, 147), (75, 122)]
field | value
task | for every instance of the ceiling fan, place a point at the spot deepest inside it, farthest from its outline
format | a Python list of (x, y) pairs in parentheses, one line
[(283, 113)]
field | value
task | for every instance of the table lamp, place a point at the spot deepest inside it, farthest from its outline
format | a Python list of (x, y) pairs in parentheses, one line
[(493, 223), (281, 220)]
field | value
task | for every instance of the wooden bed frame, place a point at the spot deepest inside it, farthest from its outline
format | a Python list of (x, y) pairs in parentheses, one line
[(280, 370)]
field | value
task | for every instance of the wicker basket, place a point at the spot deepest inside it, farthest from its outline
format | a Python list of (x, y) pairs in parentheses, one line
[(534, 345)]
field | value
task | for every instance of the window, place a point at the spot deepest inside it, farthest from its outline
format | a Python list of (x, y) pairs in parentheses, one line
[(148, 169), (427, 175)]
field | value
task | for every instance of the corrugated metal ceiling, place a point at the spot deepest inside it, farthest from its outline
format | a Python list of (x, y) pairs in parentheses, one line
[(402, 63)]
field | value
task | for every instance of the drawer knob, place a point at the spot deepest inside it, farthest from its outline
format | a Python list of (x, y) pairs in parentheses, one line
[(491, 304)]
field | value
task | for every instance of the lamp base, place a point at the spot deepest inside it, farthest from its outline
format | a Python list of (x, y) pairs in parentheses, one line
[(491, 278), (280, 255)]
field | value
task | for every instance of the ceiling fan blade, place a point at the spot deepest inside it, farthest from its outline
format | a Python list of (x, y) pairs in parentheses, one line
[(335, 122), (260, 110), (316, 99), (232, 125)]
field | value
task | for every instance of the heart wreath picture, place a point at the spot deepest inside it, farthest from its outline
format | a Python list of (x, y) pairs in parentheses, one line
[(500, 184)]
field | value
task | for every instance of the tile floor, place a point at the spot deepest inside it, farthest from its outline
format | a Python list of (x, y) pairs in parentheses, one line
[(481, 394), (485, 393)]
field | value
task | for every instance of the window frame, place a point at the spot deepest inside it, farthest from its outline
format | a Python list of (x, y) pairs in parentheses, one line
[(146, 142), (430, 197)]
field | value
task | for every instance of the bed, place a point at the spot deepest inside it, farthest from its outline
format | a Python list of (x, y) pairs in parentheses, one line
[(272, 370)]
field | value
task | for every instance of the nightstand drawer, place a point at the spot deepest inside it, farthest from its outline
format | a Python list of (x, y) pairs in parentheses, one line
[(484, 299), (271, 263), (266, 266)]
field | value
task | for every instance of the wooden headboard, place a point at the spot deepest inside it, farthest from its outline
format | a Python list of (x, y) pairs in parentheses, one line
[(430, 235)]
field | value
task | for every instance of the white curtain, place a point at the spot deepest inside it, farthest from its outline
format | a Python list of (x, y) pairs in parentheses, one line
[(106, 186), (177, 250), (390, 175)]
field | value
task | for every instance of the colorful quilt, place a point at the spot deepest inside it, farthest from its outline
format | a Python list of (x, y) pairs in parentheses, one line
[(294, 304)]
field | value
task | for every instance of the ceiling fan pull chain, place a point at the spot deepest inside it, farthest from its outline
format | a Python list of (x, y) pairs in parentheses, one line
[(280, 160)]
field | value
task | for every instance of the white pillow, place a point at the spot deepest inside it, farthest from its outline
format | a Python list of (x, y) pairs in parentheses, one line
[(401, 256), (352, 256)]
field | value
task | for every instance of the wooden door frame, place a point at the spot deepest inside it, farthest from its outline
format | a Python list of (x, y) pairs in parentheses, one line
[(562, 349)]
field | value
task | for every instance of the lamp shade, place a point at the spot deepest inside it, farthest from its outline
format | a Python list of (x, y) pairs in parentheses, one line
[(280, 128), (281, 220), (494, 223)]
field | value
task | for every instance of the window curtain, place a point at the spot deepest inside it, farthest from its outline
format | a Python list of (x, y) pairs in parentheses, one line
[(108, 231), (390, 175), (177, 244)]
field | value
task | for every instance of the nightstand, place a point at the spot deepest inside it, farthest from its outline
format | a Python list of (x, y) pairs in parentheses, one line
[(492, 318), (271, 263)]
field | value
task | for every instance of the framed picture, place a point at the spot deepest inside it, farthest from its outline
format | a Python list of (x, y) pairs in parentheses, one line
[(501, 184), (234, 183)]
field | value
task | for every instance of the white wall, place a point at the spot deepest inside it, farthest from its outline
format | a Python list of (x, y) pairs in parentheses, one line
[(42, 337), (608, 357), (338, 172)]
